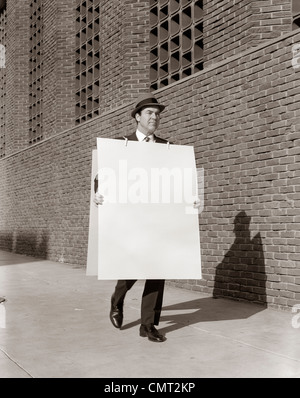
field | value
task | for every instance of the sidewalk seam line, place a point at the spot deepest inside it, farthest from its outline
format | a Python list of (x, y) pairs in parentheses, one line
[(245, 344), (15, 362)]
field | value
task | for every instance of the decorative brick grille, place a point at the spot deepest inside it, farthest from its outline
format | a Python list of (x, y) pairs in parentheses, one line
[(296, 14), (36, 72), (176, 40), (2, 80), (87, 59)]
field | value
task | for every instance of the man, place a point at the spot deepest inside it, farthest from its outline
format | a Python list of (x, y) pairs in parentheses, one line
[(147, 115)]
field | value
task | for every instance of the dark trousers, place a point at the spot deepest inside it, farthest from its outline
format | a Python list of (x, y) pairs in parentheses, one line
[(151, 301)]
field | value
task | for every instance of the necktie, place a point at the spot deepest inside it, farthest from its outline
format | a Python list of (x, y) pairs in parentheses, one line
[(147, 139)]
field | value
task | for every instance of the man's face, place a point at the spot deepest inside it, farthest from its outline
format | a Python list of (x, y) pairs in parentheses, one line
[(148, 120)]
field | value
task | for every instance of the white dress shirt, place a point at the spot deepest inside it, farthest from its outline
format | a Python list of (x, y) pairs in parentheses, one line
[(141, 136)]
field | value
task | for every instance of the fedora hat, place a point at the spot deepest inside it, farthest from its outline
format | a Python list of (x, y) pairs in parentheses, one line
[(146, 100)]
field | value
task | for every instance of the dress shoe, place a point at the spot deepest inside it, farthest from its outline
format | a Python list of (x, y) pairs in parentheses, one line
[(152, 333), (116, 314)]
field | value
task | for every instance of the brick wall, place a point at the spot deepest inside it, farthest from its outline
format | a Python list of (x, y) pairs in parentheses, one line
[(226, 28), (232, 26), (125, 51), (58, 70), (17, 76), (241, 114), (2, 78), (136, 68), (270, 18), (244, 126), (58, 66)]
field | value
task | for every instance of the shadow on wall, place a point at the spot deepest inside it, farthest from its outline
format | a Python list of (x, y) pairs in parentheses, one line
[(26, 243), (241, 274), (6, 241)]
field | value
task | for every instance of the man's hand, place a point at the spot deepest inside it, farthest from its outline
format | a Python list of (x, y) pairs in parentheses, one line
[(197, 203), (98, 199)]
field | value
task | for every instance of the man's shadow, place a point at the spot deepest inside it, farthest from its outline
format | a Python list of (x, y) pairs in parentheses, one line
[(201, 310), (240, 275)]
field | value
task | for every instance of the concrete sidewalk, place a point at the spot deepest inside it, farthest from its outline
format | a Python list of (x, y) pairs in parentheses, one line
[(54, 324)]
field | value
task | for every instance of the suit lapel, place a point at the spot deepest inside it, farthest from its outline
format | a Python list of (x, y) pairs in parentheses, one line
[(160, 140), (132, 137)]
